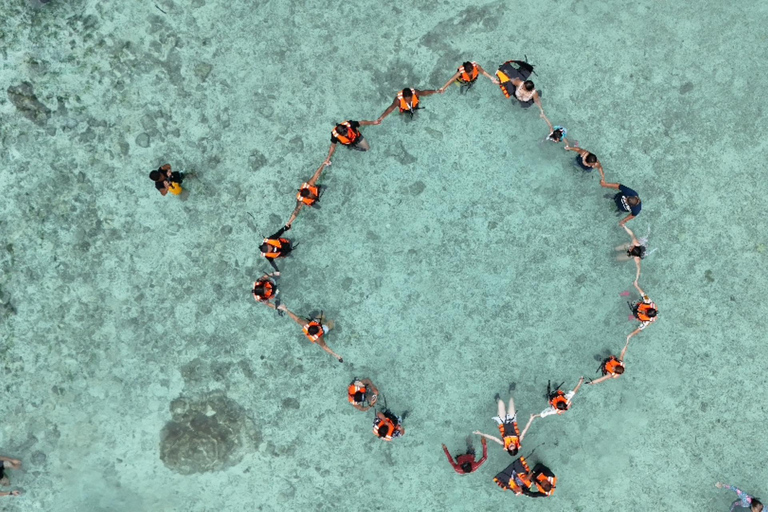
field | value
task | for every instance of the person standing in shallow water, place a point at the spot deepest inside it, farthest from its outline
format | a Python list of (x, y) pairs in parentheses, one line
[(466, 76), (167, 180), (408, 101), (348, 134), (466, 463), (314, 329), (627, 200), (744, 500)]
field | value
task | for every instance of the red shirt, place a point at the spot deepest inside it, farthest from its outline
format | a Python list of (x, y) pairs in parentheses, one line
[(467, 457)]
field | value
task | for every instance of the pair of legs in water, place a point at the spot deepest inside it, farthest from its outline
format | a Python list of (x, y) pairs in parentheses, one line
[(8, 463)]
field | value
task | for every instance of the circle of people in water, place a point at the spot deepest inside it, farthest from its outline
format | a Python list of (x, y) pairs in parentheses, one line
[(514, 79)]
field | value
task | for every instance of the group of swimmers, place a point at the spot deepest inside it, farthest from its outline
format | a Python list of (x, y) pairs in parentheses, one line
[(513, 77)]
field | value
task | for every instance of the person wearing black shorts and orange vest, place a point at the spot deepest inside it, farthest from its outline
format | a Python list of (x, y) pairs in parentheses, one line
[(274, 247), (387, 426), (466, 76), (644, 310), (559, 401), (348, 134), (466, 463), (362, 394), (516, 477), (314, 329), (408, 101), (543, 482), (265, 289), (167, 180), (612, 367), (308, 194), (513, 80), (511, 439)]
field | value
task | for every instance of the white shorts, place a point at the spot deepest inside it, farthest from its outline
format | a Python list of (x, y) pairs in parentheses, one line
[(509, 418)]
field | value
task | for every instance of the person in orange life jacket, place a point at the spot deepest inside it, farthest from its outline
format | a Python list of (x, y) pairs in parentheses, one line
[(274, 247), (559, 401), (543, 482), (167, 180), (314, 329), (387, 426), (516, 477), (362, 394), (643, 310), (627, 200), (408, 101), (511, 439), (611, 367), (586, 161), (308, 195), (466, 463), (513, 79), (466, 76), (347, 134), (265, 289), (635, 250)]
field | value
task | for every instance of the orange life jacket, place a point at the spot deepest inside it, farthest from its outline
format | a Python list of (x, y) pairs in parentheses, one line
[(390, 428), (522, 471), (269, 288), (466, 78), (314, 194), (277, 245), (350, 138), (352, 390), (404, 106), (313, 337), (541, 477), (559, 398), (609, 367), (504, 79), (511, 439), (642, 311)]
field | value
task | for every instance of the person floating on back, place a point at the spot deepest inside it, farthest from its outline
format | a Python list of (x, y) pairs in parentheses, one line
[(612, 367), (511, 439), (466, 76), (265, 289), (586, 161), (516, 477), (556, 133), (744, 500), (388, 426), (314, 329), (643, 310), (275, 246), (466, 463), (308, 195), (362, 394), (626, 200), (348, 134), (167, 180), (543, 482), (408, 101), (513, 79)]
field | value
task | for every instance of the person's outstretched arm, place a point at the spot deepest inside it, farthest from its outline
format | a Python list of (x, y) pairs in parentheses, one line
[(374, 390), (525, 430), (389, 110), (295, 213), (484, 442), (624, 351), (604, 184), (301, 321), (633, 333), (369, 123), (602, 173), (745, 499), (449, 82), (279, 232), (492, 438), (486, 74), (601, 379), (537, 101), (626, 219), (322, 344), (10, 493), (551, 128), (577, 150), (316, 176), (456, 467), (428, 92), (576, 389), (331, 151)]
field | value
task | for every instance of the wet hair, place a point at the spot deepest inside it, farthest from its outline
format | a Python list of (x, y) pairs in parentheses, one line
[(407, 93), (590, 158), (382, 430), (652, 312), (359, 396), (155, 176), (468, 67), (264, 247), (544, 484), (259, 290), (512, 450), (619, 369), (562, 405), (756, 502), (304, 192), (342, 129), (557, 134), (637, 250), (466, 467), (528, 85), (313, 329), (633, 201)]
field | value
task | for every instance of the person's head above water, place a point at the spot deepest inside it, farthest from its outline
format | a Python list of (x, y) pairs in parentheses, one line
[(468, 67), (651, 312), (513, 449), (590, 158), (407, 93), (265, 247), (545, 485), (528, 85), (562, 405), (637, 251), (633, 201), (383, 430), (313, 329), (619, 369), (557, 135), (359, 396), (466, 467), (304, 192), (757, 505), (342, 129), (155, 176)]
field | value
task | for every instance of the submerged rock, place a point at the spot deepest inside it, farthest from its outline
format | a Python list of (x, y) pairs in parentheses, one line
[(25, 101), (209, 433)]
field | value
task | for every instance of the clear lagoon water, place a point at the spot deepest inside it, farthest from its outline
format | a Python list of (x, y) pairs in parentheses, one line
[(457, 257)]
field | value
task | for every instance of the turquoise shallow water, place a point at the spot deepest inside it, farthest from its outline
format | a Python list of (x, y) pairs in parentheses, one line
[(458, 256)]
